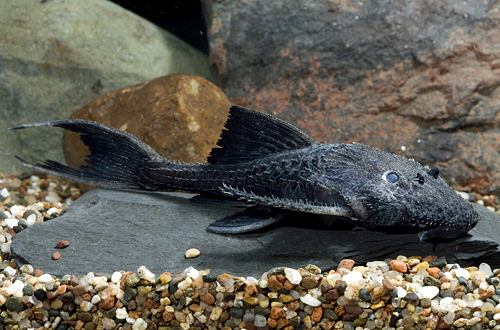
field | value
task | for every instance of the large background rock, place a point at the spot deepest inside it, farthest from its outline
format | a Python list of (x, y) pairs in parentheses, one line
[(416, 78), (119, 230), (57, 55), (180, 116)]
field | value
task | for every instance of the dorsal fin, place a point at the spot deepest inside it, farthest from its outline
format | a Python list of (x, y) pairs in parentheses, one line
[(250, 134)]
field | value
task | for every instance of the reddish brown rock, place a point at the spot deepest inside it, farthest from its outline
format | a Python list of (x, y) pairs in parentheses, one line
[(62, 244), (421, 81), (179, 116)]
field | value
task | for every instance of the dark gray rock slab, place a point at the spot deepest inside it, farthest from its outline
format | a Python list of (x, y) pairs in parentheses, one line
[(121, 230), (387, 74)]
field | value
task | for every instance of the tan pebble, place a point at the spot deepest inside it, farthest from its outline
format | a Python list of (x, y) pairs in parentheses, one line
[(423, 265), (413, 261), (192, 253), (165, 278), (378, 305), (56, 255), (62, 244), (252, 301)]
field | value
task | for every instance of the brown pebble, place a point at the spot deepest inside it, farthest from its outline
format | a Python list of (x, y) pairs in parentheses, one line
[(79, 289), (282, 323), (317, 314), (167, 317), (332, 294), (277, 312), (272, 323), (309, 283), (208, 299), (250, 326), (38, 272), (379, 291), (107, 303), (273, 283), (62, 244), (56, 255), (288, 285), (346, 263), (399, 266), (388, 285)]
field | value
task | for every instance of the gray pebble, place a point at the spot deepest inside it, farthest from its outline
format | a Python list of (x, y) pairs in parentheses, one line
[(27, 213), (249, 316), (260, 321), (49, 286), (439, 262), (425, 302), (364, 295), (330, 314), (28, 290), (432, 281), (447, 293), (236, 312), (14, 304), (129, 293), (262, 311), (23, 223), (233, 322), (133, 279)]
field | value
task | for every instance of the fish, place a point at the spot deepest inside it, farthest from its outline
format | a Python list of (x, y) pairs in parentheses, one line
[(275, 170)]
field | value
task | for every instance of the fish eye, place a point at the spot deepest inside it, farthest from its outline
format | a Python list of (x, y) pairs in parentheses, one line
[(391, 177)]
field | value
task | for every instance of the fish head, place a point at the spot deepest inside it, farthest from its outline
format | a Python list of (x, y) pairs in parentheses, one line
[(384, 189)]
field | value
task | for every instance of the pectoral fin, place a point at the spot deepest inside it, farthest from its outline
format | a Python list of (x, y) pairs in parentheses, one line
[(245, 221), (288, 204)]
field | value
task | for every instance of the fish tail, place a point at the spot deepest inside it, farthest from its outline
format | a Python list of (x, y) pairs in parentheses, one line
[(115, 158)]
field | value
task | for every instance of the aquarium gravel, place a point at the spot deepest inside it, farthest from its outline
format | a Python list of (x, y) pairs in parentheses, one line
[(407, 292)]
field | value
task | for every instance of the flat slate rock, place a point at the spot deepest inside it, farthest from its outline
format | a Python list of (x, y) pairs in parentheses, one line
[(122, 230)]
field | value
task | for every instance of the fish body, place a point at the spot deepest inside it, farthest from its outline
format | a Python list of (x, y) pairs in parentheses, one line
[(277, 169)]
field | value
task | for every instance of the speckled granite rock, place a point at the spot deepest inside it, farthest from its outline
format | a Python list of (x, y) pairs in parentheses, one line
[(180, 116), (55, 56), (117, 230), (416, 78)]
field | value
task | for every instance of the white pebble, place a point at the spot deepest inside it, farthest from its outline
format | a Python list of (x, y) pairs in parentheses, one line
[(293, 276), (310, 300), (461, 272), (464, 195), (139, 324), (496, 317), (10, 271), (116, 277), (6, 247), (45, 278), (401, 292), (353, 276), (86, 306), (31, 219), (375, 264), (484, 267), (146, 274), (14, 287), (95, 299), (12, 222), (4, 193), (446, 304), (52, 210), (428, 291), (17, 210), (192, 272), (121, 313)]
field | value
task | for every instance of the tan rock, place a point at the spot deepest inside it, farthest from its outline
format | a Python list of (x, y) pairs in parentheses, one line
[(180, 116)]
